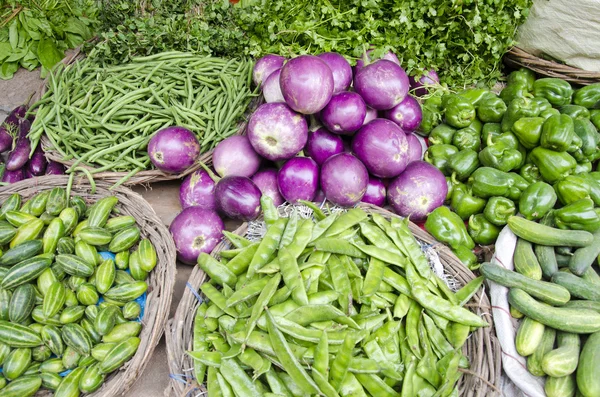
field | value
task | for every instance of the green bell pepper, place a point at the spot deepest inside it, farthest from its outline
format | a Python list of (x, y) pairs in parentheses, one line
[(447, 227), (537, 200), (572, 188), (438, 156), (442, 134), (432, 114), (468, 137), (451, 182), (546, 114), (512, 92), (501, 157), (589, 136), (490, 129), (595, 118), (530, 173), (463, 163), (467, 257), (491, 110), (489, 182), (482, 231), (580, 215), (558, 92), (588, 96), (523, 76), (529, 131), (558, 133), (498, 210), (575, 111), (593, 179), (583, 168), (543, 104), (553, 166), (464, 203), (517, 109), (508, 138), (459, 112), (476, 95)]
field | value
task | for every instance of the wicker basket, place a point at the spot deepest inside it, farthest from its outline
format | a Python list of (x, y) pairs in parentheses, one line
[(517, 57), (482, 348), (142, 177), (160, 281)]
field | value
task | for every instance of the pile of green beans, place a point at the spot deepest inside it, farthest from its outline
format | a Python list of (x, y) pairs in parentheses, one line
[(342, 305), (105, 116)]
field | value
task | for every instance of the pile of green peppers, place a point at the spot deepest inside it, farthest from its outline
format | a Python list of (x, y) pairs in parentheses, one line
[(531, 149)]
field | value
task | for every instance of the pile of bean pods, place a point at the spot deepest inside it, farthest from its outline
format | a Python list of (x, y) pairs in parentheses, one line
[(104, 116), (70, 309), (342, 305)]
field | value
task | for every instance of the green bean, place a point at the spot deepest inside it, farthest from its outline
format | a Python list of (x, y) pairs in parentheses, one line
[(376, 386), (337, 246), (267, 246), (224, 386), (209, 359), (401, 306), (217, 298), (291, 276), (465, 294), (341, 362), (213, 383), (301, 238), (373, 277), (276, 384), (235, 375), (263, 299), (346, 221), (412, 322), (289, 231), (381, 254), (341, 283), (249, 291)]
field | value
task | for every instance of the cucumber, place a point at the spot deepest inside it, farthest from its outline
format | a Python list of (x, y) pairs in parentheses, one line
[(146, 255), (588, 380), (5, 296), (122, 332), (127, 292), (100, 212), (12, 203), (72, 314), (57, 201), (125, 239), (529, 336), (583, 257), (546, 235), (16, 335), (91, 380), (77, 338), (24, 251), (592, 276), (100, 351), (53, 233), (25, 386), (26, 271), (119, 355), (563, 360), (105, 276), (66, 245), (69, 387), (53, 365), (54, 299), (7, 232), (578, 321), (29, 231), (560, 387), (74, 265), (95, 236), (526, 263), (16, 363), (52, 338), (22, 303), (548, 292), (534, 361), (69, 217), (583, 304), (50, 380), (545, 255), (577, 286), (119, 223)]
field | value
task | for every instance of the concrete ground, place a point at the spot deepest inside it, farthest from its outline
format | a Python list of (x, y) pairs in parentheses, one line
[(164, 198)]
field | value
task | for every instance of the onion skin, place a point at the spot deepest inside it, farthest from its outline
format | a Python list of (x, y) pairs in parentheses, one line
[(375, 192), (344, 179), (382, 84), (195, 230), (237, 197), (276, 132), (271, 88), (266, 181), (382, 147), (198, 190), (415, 148), (306, 83), (235, 156), (341, 69), (345, 113), (407, 114), (173, 149), (298, 179), (419, 86), (420, 189), (322, 144), (265, 66)]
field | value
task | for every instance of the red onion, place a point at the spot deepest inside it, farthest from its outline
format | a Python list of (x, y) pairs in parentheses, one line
[(276, 132), (195, 230), (375, 192), (407, 114), (298, 179), (266, 181), (306, 83), (173, 149), (382, 84), (382, 147), (271, 88), (344, 179), (197, 190), (322, 144), (341, 69), (235, 156), (420, 189), (265, 66), (237, 197), (345, 113), (427, 79)]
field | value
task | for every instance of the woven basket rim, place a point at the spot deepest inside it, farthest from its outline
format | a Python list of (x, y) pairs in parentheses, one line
[(142, 177), (483, 379), (161, 281), (519, 57)]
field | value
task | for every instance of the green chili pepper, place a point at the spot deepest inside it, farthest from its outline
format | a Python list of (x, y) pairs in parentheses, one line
[(432, 114), (488, 182), (468, 137), (589, 136), (546, 114), (467, 257), (464, 203), (498, 209), (448, 227), (543, 104), (482, 231), (476, 95), (595, 118)]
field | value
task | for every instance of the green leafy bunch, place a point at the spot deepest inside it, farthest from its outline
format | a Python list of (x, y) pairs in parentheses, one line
[(38, 32)]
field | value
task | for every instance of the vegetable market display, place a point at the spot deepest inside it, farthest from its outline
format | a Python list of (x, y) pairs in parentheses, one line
[(104, 117), (554, 291)]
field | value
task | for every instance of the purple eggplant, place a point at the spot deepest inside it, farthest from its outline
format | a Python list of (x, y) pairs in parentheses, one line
[(12, 176), (37, 164), (20, 154), (55, 168), (27, 173), (12, 121)]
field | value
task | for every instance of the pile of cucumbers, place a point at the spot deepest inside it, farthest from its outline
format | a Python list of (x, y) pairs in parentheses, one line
[(70, 308), (555, 290)]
